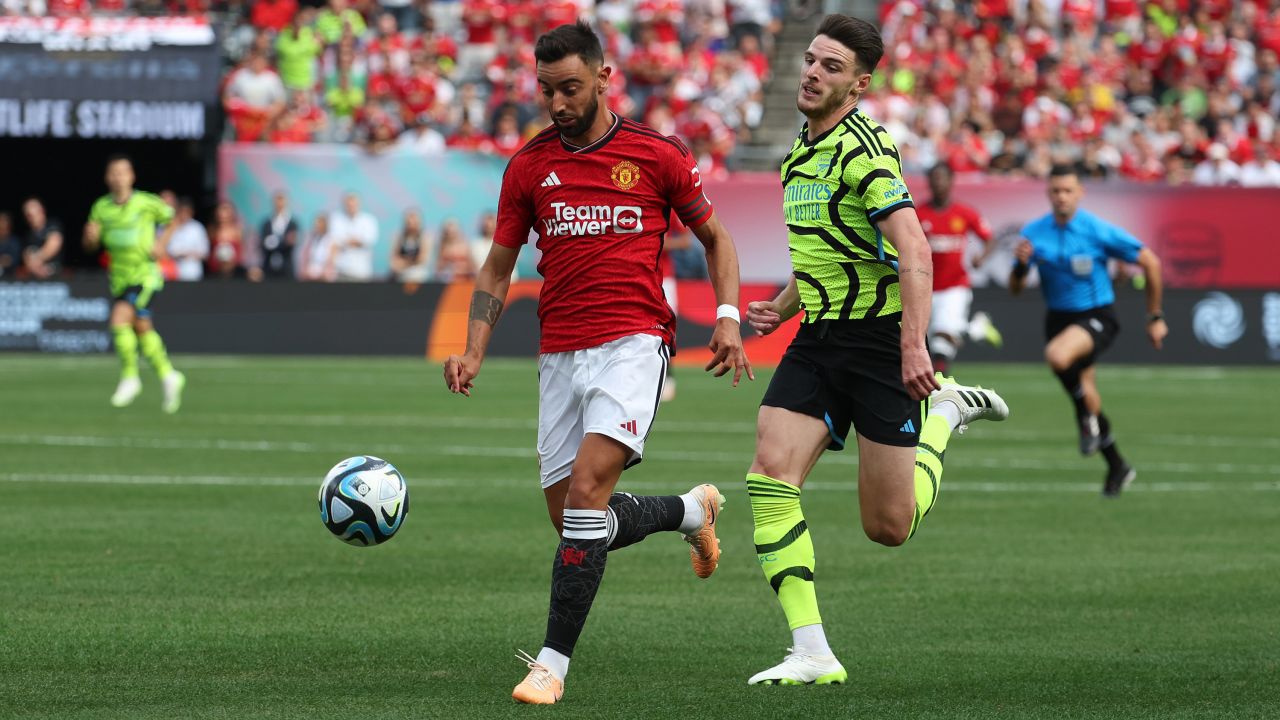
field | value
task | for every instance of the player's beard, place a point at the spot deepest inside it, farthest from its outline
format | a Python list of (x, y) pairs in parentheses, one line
[(583, 123), (830, 102)]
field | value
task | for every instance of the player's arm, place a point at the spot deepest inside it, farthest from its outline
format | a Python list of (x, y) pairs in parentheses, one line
[(978, 226), (765, 316), (1157, 329), (915, 277), (92, 236), (1021, 266), (491, 286), (722, 266)]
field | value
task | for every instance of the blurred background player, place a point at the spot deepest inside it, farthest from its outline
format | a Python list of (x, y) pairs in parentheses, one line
[(948, 224), (861, 275), (124, 222), (599, 190), (1070, 248)]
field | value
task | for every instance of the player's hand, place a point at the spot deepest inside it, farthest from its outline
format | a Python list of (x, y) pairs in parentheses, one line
[(763, 316), (1157, 331), (727, 352), (917, 372), (459, 371), (1022, 253)]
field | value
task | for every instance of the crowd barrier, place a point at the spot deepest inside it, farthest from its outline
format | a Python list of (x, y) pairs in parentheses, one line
[(1214, 327), (1208, 237)]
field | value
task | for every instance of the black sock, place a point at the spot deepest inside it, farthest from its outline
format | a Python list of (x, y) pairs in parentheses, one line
[(575, 577), (633, 518), (1070, 379), (1109, 449)]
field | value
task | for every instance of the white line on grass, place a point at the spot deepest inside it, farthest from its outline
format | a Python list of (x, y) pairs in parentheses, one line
[(530, 483), (684, 427), (478, 451)]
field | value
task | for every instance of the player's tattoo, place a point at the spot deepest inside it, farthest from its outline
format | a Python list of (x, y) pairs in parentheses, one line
[(485, 307), (922, 271)]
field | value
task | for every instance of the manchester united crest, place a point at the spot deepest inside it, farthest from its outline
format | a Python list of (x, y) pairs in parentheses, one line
[(625, 175)]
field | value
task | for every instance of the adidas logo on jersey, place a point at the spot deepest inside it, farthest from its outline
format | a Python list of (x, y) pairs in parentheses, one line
[(552, 180)]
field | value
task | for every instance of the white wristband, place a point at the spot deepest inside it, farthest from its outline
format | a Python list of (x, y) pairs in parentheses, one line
[(728, 311)]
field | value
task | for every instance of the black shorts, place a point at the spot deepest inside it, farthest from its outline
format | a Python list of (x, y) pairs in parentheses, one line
[(140, 297), (848, 372), (1099, 322)]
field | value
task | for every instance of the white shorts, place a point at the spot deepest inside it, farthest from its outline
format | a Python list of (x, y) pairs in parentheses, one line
[(611, 390), (951, 311)]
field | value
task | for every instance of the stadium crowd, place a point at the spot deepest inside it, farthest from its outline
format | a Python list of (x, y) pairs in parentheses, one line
[(1175, 91), (429, 75)]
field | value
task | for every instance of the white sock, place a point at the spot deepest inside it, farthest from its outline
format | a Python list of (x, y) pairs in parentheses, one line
[(948, 410), (694, 515), (557, 663), (811, 640)]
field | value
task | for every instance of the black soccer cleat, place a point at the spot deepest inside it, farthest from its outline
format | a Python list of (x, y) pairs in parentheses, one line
[(1118, 478)]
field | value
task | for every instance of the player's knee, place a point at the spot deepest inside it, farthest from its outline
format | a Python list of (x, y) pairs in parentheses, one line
[(887, 531), (587, 491), (1058, 359), (769, 463)]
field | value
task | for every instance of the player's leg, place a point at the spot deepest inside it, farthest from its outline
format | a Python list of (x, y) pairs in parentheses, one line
[(1119, 473), (669, 291), (631, 518), (947, 324), (126, 344), (799, 418), (153, 349), (578, 566), (1069, 353), (902, 442), (788, 444)]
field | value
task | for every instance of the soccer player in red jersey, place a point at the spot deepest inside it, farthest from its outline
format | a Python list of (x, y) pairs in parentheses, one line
[(948, 225), (599, 191)]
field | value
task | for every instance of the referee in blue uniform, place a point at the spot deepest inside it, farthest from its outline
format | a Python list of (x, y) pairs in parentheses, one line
[(1070, 248)]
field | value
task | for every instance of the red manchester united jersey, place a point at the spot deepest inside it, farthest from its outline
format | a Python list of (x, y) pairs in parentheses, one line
[(601, 213), (948, 232)]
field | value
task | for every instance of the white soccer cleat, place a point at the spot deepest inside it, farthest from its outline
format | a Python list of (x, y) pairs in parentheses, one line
[(801, 668), (975, 403), (126, 392), (981, 329), (173, 383)]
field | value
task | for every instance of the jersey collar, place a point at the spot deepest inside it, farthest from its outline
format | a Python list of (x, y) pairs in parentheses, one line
[(804, 131), (599, 143)]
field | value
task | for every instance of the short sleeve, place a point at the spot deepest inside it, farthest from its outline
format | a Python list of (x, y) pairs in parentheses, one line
[(515, 208), (1118, 243), (878, 182), (95, 213), (978, 225), (159, 209), (684, 188)]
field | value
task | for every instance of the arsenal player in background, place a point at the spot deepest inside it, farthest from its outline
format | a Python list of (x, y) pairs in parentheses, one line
[(599, 190), (948, 225)]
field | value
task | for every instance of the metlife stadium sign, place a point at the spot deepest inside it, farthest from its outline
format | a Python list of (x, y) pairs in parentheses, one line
[(137, 78)]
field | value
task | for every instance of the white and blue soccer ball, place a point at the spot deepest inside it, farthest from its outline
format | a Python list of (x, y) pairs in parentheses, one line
[(364, 500)]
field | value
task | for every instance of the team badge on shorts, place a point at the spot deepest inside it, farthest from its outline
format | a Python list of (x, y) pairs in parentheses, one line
[(625, 175)]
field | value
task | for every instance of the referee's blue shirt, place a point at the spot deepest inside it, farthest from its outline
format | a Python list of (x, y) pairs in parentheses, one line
[(1072, 259)]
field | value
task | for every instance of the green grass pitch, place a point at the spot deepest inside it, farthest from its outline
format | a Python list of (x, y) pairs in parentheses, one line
[(175, 567)]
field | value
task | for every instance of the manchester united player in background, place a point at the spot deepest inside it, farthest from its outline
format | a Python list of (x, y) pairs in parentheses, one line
[(947, 224), (599, 189)]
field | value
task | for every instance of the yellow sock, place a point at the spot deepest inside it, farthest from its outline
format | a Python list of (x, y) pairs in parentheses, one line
[(934, 435), (784, 548)]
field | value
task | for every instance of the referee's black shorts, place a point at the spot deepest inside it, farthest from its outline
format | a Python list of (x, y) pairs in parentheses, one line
[(848, 372), (1099, 322)]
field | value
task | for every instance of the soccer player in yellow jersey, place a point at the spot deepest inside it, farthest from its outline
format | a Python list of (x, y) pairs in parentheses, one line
[(862, 281), (124, 222)]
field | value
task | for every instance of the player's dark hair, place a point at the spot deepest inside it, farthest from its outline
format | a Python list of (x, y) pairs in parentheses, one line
[(1062, 170), (576, 39), (117, 157), (859, 36)]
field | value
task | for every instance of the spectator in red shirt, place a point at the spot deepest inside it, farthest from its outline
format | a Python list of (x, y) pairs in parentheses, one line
[(272, 14), (506, 133), (754, 57), (469, 137)]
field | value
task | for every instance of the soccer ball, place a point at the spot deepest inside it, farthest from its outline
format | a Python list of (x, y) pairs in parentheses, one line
[(363, 500)]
